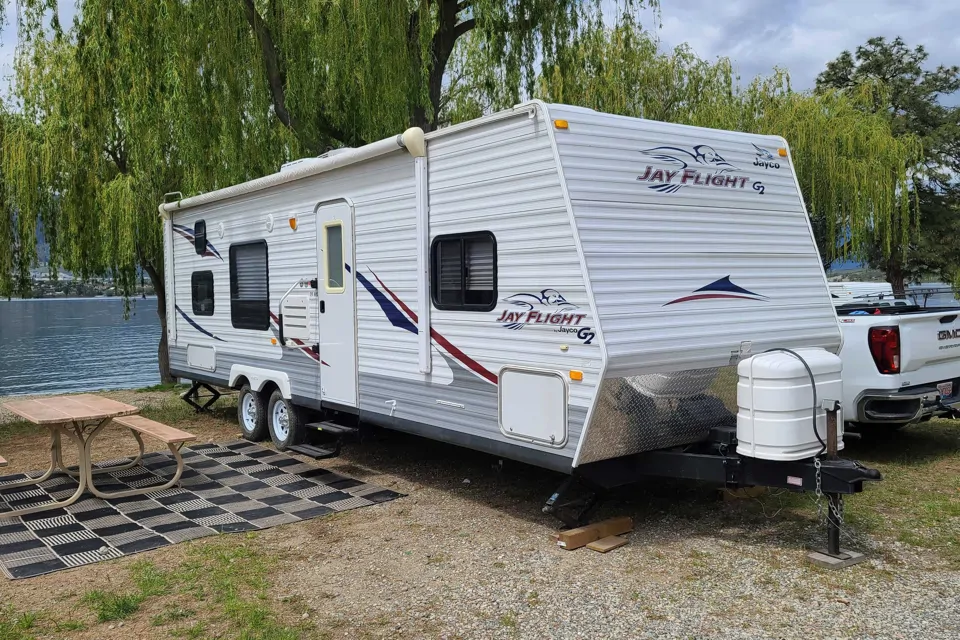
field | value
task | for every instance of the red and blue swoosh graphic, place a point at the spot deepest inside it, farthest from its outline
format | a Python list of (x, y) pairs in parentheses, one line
[(396, 311), (720, 289), (402, 317)]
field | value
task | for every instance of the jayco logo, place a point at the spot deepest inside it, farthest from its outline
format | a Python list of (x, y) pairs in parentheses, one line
[(765, 159), (701, 165)]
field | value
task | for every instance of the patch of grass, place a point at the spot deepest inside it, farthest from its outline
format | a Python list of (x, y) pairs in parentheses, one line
[(196, 630), (69, 625), (918, 501), (236, 575), (165, 386), (113, 606), (17, 626), (150, 580), (509, 620), (171, 614)]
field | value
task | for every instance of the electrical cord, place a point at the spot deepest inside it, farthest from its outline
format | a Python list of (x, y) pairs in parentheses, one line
[(813, 386)]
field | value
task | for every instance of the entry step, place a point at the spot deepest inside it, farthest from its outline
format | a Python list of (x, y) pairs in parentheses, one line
[(316, 453), (333, 428)]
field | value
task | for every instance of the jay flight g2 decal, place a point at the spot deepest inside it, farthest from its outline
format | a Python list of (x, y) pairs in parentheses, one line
[(547, 308), (700, 165)]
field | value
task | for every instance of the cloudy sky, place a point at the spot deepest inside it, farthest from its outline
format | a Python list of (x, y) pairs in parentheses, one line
[(800, 35)]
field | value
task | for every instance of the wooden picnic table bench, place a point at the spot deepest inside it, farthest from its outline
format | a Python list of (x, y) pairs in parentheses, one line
[(170, 436), (81, 418)]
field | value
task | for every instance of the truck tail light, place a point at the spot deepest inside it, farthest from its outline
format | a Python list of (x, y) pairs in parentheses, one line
[(885, 348)]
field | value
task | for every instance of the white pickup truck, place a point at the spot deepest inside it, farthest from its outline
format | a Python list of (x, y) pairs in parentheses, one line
[(901, 364)]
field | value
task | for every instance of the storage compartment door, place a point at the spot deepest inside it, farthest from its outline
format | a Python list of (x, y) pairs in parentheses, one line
[(533, 406)]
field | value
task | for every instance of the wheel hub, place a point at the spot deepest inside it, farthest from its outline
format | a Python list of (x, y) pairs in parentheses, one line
[(281, 421), (249, 412)]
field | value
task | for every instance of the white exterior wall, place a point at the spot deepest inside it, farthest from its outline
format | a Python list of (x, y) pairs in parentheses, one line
[(500, 176), (377, 186), (644, 248)]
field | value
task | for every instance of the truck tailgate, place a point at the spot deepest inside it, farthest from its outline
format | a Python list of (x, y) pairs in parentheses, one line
[(929, 339)]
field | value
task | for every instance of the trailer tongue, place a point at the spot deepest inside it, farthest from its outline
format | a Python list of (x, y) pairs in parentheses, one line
[(787, 435)]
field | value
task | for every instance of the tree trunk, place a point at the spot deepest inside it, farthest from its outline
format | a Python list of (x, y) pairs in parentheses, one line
[(163, 355), (895, 276)]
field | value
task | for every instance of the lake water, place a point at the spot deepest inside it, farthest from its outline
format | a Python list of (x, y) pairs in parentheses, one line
[(83, 344)]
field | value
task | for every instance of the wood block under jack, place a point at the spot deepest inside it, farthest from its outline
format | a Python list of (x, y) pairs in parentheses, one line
[(581, 536), (607, 544), (732, 495), (846, 559)]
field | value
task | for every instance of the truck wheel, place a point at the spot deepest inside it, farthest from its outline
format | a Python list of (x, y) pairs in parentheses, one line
[(285, 420), (251, 414)]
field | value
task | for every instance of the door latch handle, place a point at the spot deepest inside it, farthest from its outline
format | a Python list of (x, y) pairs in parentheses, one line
[(323, 306)]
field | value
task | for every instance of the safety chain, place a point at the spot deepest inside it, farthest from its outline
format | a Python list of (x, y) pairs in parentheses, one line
[(818, 493)]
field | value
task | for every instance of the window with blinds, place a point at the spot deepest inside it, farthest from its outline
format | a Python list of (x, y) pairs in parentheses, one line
[(249, 286), (201, 285), (464, 272)]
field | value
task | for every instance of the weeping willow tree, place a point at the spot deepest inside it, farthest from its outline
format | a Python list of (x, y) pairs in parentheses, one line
[(853, 171), (136, 99)]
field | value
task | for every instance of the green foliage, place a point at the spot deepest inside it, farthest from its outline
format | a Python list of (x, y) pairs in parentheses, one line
[(837, 146), (909, 98), (137, 99)]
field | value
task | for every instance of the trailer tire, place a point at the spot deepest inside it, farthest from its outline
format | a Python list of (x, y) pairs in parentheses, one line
[(285, 421), (251, 414)]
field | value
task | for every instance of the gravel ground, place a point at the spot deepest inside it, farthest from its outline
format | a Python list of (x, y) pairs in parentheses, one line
[(475, 560)]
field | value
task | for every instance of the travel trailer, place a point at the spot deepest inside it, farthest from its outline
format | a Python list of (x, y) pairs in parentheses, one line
[(548, 284)]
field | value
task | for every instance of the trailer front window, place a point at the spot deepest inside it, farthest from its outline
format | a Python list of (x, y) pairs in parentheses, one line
[(464, 272)]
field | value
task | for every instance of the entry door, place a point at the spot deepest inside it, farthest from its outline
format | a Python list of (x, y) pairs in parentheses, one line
[(337, 308)]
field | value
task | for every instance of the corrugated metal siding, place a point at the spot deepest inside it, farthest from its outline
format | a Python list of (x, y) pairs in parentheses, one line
[(499, 177), (645, 248), (373, 185)]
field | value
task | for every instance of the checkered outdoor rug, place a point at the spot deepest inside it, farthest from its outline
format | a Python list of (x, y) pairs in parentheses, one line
[(237, 486)]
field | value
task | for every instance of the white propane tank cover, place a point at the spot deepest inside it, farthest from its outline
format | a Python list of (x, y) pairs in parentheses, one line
[(775, 403)]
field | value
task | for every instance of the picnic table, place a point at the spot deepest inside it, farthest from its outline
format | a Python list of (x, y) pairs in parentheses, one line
[(81, 418)]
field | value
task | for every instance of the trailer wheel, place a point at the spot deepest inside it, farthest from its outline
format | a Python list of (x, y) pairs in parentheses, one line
[(251, 414), (285, 421)]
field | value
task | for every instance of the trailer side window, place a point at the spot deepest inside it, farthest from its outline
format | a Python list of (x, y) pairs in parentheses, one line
[(200, 237), (249, 286), (333, 252), (201, 285), (464, 271)]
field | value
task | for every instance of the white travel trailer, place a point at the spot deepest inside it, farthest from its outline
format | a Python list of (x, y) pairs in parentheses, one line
[(548, 284)]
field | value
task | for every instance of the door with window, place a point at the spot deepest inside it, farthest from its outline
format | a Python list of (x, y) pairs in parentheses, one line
[(337, 304)]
